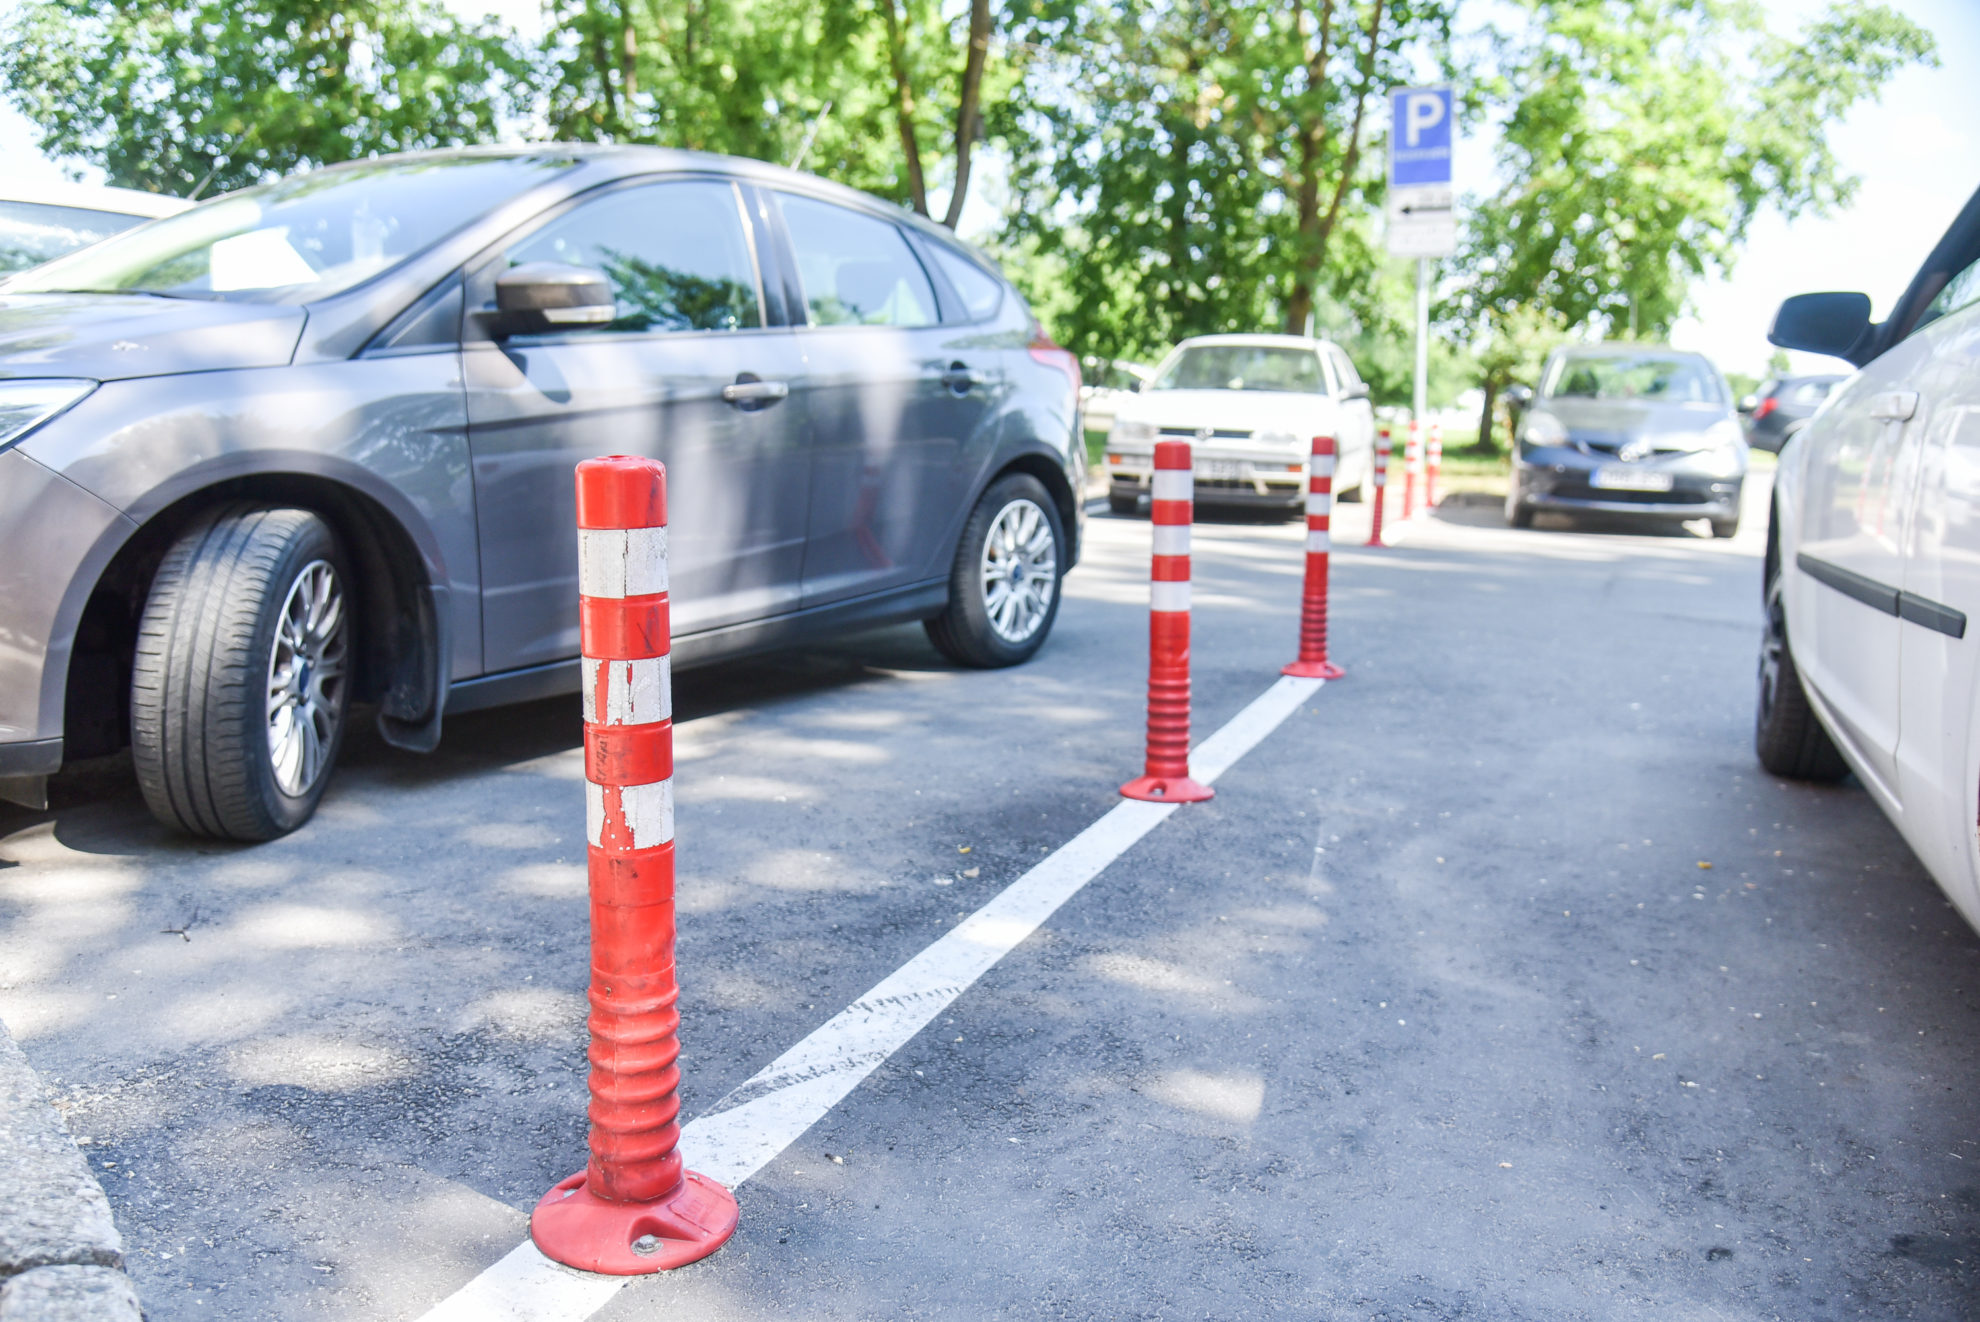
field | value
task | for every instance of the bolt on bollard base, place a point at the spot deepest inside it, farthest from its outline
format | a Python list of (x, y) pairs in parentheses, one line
[(1313, 662), (634, 1209), (1166, 776)]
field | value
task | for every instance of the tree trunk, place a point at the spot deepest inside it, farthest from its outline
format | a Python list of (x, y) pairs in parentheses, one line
[(1316, 229), (904, 104), (967, 125), (1485, 416)]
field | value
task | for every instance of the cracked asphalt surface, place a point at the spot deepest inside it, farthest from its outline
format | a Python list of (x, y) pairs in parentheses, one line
[(1434, 1012)]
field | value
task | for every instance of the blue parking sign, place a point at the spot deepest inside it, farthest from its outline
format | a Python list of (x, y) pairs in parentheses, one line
[(1420, 137)]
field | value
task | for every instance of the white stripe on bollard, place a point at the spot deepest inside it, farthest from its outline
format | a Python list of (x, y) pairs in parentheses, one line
[(622, 562), (1173, 484), (1171, 539), (648, 810), (1165, 595), (636, 692)]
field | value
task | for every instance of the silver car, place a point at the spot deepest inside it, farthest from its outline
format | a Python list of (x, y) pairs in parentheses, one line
[(310, 446)]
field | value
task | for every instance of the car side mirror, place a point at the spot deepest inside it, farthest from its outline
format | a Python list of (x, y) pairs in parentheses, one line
[(1748, 403), (546, 296), (1359, 390), (1518, 398), (1822, 323)]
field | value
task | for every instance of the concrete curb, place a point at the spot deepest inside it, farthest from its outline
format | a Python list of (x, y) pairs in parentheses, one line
[(61, 1258)]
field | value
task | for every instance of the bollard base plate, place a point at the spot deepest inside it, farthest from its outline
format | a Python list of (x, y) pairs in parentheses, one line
[(1167, 789), (573, 1226), (1313, 670)]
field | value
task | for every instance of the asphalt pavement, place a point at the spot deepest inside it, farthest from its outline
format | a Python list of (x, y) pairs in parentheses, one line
[(1496, 982)]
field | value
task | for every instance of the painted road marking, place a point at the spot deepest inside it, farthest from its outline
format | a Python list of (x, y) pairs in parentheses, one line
[(768, 1113)]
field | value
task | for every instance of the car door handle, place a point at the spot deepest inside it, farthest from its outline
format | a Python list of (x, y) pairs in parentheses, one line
[(1894, 406), (960, 379), (758, 393)]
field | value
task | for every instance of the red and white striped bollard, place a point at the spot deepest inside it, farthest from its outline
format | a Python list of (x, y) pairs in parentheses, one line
[(1435, 466), (634, 1209), (1313, 662), (1165, 777), (1381, 488), (1412, 469)]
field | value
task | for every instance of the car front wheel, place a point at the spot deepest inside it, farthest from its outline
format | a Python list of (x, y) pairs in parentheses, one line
[(1004, 586), (242, 674), (1788, 738)]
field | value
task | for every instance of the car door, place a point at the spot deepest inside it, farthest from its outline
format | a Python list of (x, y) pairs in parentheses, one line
[(1940, 610), (1862, 465), (892, 399), (691, 372)]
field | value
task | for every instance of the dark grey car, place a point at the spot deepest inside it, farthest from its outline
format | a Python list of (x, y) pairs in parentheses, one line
[(1782, 406), (311, 445), (1632, 430)]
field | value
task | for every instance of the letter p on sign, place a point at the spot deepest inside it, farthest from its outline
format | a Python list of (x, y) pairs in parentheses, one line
[(1422, 111)]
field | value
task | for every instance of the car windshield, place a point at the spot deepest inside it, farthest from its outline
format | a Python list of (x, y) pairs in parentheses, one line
[(33, 232), (297, 239), (1668, 378), (1243, 367)]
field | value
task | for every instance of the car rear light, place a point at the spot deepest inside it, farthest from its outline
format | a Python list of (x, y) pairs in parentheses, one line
[(1764, 407), (1116, 459), (1050, 354)]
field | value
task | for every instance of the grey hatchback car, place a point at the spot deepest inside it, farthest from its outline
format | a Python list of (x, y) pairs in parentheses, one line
[(310, 446), (1628, 429)]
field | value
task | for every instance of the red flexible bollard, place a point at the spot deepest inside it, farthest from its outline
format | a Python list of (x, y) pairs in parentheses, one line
[(1412, 467), (1381, 489), (1435, 466), (1166, 775), (634, 1209), (1313, 662)]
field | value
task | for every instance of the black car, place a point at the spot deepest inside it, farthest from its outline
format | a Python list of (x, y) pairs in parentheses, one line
[(1629, 429), (1780, 407)]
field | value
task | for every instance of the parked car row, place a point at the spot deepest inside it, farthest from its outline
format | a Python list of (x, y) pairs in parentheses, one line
[(310, 445)]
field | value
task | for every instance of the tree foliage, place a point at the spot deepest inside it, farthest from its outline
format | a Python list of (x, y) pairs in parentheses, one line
[(181, 97)]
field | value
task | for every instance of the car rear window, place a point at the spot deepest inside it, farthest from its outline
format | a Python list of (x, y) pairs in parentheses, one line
[(33, 232)]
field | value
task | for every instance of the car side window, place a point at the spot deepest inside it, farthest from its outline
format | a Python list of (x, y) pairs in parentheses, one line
[(676, 254), (1343, 366), (1961, 291), (856, 270), (981, 292)]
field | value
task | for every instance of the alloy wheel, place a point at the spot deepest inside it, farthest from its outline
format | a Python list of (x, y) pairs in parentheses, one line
[(1020, 570), (306, 677)]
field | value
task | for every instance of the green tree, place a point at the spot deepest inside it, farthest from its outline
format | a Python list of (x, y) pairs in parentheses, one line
[(1640, 140), (1207, 167), (201, 96), (868, 92)]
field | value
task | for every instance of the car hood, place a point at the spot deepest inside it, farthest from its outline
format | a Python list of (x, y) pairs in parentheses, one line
[(112, 337), (1248, 410), (1618, 420)]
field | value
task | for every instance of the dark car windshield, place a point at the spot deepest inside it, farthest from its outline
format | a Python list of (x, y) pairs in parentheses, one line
[(1243, 367), (1668, 378), (297, 239)]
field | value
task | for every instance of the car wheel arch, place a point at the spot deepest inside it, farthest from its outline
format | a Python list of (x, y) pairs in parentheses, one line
[(1048, 469), (403, 658)]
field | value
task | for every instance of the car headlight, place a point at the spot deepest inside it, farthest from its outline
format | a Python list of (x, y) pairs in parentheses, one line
[(1277, 438), (1132, 432), (25, 405), (1542, 428)]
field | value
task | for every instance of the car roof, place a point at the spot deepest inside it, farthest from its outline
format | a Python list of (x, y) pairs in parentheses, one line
[(93, 197), (1620, 348)]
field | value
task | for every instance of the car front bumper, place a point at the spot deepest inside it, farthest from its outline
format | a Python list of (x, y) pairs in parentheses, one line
[(1569, 488), (1254, 478)]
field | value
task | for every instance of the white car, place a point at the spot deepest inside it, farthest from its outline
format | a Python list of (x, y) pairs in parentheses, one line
[(1108, 382), (39, 222), (1871, 657), (1251, 406)]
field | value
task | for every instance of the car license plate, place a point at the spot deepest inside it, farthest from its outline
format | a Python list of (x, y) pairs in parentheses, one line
[(1631, 479), (1222, 468)]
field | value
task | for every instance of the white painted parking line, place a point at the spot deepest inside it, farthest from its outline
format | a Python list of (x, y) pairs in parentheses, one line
[(765, 1115)]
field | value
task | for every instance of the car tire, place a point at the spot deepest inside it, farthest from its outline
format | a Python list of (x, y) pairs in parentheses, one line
[(1015, 539), (1787, 735), (1519, 514), (1124, 504), (241, 680)]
